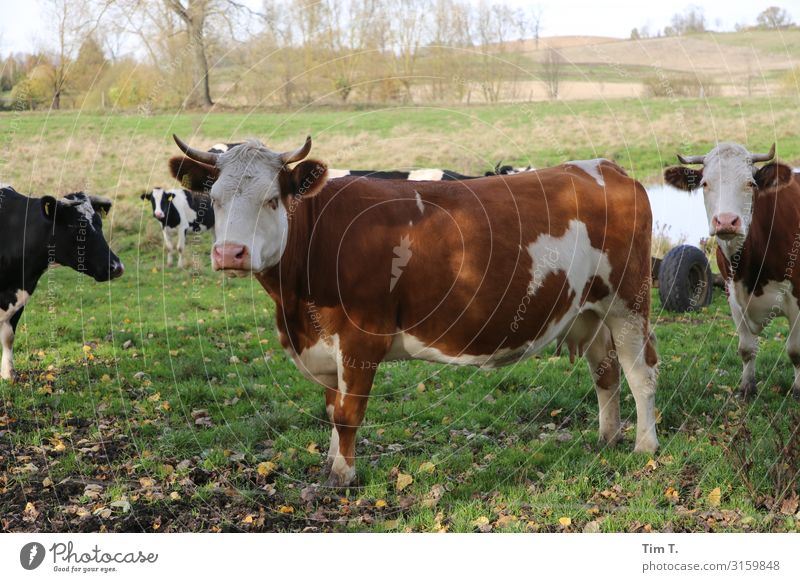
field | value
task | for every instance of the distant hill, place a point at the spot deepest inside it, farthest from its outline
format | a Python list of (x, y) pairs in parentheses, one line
[(727, 54)]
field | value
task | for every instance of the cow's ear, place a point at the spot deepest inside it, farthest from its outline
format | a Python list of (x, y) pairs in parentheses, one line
[(49, 205), (193, 175), (683, 178), (146, 195), (773, 175), (308, 178), (100, 204)]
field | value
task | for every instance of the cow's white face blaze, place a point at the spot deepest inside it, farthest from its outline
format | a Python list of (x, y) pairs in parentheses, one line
[(728, 189), (251, 189), (730, 182), (251, 222)]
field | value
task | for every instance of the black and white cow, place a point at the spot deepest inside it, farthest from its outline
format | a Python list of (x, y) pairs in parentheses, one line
[(505, 170), (179, 211), (37, 233), (425, 174)]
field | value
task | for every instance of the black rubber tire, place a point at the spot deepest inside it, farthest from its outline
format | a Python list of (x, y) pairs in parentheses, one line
[(684, 279)]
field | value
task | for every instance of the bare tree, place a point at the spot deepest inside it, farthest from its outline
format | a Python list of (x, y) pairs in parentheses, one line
[(72, 22), (536, 23), (410, 30), (493, 26), (194, 15), (551, 72)]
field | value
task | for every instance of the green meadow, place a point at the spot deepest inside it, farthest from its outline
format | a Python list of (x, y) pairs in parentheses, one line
[(163, 402)]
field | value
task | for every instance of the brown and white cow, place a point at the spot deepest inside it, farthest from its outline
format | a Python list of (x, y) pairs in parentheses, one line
[(484, 272), (755, 215)]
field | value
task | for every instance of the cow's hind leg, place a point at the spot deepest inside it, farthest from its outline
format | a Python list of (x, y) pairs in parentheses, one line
[(635, 347), (604, 367)]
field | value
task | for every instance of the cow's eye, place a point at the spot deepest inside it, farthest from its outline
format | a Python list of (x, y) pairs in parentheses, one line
[(704, 184), (273, 203)]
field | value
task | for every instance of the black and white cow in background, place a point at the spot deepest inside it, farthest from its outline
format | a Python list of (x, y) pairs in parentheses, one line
[(37, 233), (426, 174), (179, 211), (506, 170)]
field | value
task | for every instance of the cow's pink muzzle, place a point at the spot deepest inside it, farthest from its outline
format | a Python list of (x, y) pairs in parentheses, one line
[(726, 224), (230, 256)]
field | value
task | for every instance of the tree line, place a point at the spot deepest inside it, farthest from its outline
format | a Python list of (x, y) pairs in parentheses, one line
[(157, 54)]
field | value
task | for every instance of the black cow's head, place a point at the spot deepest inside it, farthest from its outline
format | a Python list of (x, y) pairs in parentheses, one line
[(162, 203), (76, 235)]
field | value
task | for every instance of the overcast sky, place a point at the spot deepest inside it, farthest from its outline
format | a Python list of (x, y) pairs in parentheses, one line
[(23, 27)]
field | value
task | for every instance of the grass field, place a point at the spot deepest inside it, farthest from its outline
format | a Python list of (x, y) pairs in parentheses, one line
[(163, 402)]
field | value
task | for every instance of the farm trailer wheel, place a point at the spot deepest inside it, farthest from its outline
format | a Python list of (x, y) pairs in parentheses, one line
[(684, 279)]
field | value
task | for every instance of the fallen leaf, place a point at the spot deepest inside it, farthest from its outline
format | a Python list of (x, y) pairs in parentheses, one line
[(671, 494), (313, 448), (481, 521), (403, 481), (286, 509), (265, 468), (427, 467), (380, 504), (565, 521), (556, 412), (789, 505), (714, 497)]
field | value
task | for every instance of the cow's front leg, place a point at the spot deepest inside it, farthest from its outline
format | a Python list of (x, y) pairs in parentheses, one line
[(748, 347), (793, 349), (331, 394), (356, 375), (167, 245), (181, 245), (7, 339)]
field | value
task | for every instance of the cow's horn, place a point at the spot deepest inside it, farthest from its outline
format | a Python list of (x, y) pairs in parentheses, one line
[(763, 157), (298, 154), (197, 155), (691, 159)]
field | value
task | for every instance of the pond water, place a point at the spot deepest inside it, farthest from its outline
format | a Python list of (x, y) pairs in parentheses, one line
[(683, 212)]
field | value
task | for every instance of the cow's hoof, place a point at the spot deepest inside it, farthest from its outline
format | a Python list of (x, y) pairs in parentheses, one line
[(646, 445), (10, 377), (610, 440), (335, 481), (747, 391)]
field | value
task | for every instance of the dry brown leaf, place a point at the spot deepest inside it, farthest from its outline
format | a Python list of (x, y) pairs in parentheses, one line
[(403, 481)]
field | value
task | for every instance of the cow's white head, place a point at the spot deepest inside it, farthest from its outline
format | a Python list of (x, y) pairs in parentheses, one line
[(250, 188), (731, 183)]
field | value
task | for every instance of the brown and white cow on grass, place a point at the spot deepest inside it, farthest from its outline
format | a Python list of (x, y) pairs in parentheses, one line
[(755, 215), (485, 272)]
